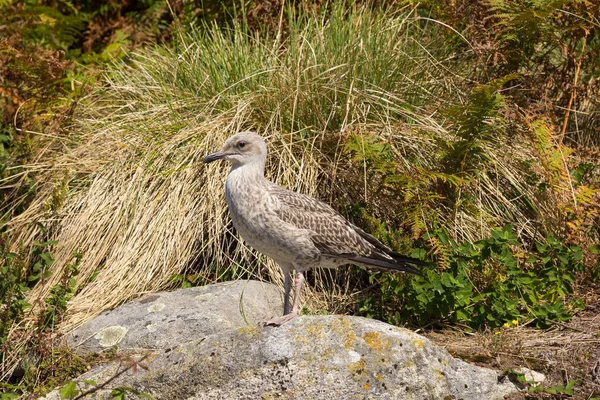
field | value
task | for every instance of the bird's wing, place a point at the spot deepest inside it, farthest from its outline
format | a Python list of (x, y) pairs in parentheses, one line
[(332, 235)]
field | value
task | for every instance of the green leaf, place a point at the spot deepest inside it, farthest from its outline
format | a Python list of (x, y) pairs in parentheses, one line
[(418, 253), (69, 391), (541, 248), (118, 393), (571, 385), (48, 258), (93, 276), (462, 316)]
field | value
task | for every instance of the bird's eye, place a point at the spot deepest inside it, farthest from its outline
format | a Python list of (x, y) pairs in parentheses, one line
[(241, 145)]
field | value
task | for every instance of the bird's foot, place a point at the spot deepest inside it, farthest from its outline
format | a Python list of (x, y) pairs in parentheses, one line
[(280, 320)]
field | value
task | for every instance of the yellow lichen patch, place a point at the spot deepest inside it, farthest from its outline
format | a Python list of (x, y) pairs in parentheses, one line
[(379, 377), (349, 340), (367, 386), (327, 353), (309, 334), (375, 341), (418, 343), (439, 374), (315, 330), (358, 369), (248, 330), (342, 327)]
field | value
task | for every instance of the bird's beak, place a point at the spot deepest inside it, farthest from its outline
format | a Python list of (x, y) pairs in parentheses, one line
[(213, 157)]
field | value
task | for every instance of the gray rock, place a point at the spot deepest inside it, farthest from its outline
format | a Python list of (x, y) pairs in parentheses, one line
[(311, 357), (166, 319)]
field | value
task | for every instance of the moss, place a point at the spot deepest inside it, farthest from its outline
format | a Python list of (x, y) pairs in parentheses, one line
[(59, 367)]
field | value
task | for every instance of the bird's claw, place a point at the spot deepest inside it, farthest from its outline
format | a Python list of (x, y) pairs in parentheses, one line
[(279, 320)]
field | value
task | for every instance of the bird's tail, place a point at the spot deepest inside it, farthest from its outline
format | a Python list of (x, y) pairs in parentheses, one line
[(397, 262), (385, 258)]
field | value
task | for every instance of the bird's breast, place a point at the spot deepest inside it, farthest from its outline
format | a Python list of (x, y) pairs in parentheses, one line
[(248, 207), (252, 212)]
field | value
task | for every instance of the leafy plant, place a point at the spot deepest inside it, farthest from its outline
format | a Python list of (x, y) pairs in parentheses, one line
[(72, 391), (60, 294), (13, 288), (478, 122), (15, 281), (69, 391), (566, 390), (486, 283)]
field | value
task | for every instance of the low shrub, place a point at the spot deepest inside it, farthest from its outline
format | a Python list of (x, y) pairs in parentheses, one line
[(483, 284)]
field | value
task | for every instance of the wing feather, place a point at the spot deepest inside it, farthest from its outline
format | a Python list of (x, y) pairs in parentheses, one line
[(334, 236)]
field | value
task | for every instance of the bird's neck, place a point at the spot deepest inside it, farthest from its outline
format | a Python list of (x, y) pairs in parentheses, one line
[(251, 172), (244, 183)]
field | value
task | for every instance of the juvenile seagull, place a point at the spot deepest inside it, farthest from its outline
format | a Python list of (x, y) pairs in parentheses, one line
[(297, 231)]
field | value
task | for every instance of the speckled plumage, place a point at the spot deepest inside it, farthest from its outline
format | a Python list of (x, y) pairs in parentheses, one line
[(297, 231)]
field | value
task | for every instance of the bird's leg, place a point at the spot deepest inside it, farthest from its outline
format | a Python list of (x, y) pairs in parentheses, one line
[(298, 280), (297, 286), (287, 286)]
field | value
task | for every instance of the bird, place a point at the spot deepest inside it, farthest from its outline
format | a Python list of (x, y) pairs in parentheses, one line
[(297, 231)]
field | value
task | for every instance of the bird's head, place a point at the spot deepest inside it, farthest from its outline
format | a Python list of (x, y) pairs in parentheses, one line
[(241, 149)]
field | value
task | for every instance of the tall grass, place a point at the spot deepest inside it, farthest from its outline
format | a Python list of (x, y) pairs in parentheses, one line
[(349, 100)]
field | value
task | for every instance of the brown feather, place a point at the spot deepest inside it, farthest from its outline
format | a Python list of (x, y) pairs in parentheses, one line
[(334, 236)]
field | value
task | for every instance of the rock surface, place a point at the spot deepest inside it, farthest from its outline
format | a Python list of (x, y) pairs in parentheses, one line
[(162, 319), (310, 357)]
